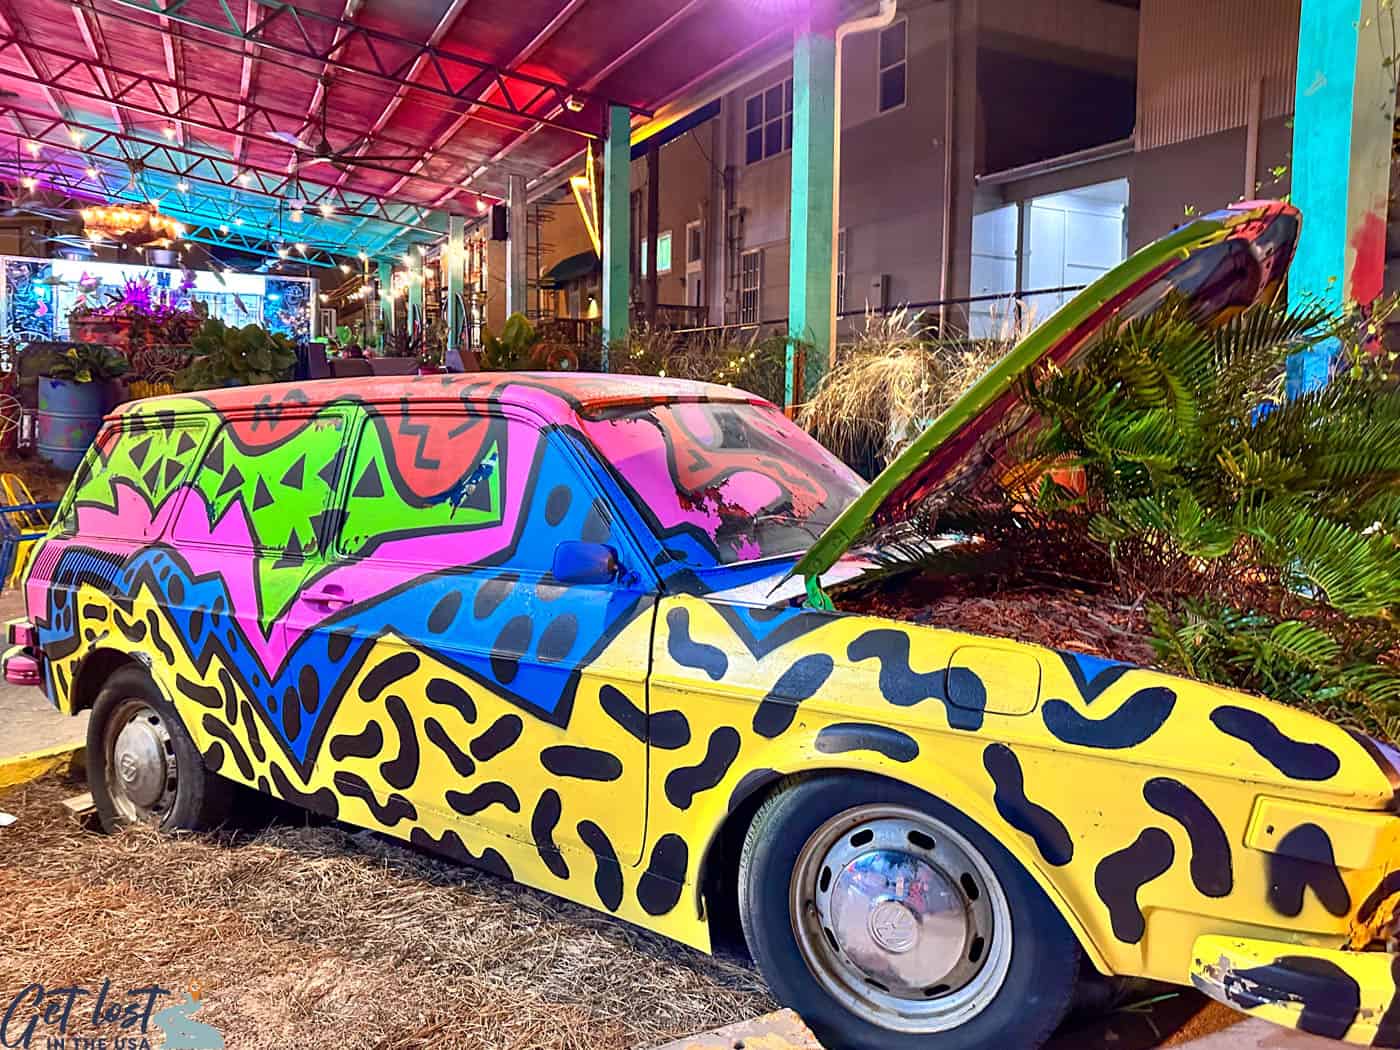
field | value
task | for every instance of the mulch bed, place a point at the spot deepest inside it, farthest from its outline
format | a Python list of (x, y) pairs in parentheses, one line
[(321, 936), (1086, 621)]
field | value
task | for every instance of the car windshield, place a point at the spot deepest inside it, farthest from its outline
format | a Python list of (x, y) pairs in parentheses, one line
[(723, 482)]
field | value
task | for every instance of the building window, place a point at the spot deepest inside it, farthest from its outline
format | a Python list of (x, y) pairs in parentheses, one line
[(663, 253), (750, 285), (694, 243), (894, 65), (768, 122), (841, 272)]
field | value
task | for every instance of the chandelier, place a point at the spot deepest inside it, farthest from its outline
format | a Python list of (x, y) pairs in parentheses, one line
[(132, 223)]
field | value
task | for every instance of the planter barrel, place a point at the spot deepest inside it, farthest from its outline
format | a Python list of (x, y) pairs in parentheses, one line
[(68, 418)]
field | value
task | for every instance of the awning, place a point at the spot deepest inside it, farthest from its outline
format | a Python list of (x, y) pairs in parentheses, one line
[(571, 269)]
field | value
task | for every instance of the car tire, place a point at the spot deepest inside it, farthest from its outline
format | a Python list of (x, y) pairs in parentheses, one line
[(142, 766), (831, 916)]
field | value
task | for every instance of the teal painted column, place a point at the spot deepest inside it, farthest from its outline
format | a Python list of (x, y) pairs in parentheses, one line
[(617, 233), (1344, 113), (386, 301), (454, 260), (813, 180)]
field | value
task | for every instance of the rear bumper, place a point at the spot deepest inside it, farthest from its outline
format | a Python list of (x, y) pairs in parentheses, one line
[(21, 667), (1333, 993)]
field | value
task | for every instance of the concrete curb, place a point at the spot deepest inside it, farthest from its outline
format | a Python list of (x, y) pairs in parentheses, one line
[(780, 1030), (20, 769)]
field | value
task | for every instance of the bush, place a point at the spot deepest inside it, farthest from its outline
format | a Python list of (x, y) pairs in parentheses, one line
[(756, 364), (227, 356), (1264, 533), (87, 363)]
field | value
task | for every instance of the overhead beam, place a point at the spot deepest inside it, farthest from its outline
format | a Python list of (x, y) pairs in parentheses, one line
[(186, 163), (92, 36), (283, 29), (201, 109)]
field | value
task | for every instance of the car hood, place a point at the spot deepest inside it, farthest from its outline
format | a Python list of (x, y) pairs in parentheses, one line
[(1220, 264)]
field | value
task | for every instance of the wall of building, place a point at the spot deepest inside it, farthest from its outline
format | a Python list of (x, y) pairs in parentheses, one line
[(686, 179)]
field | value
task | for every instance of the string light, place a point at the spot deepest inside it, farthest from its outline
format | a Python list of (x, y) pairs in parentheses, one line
[(327, 209), (169, 131), (244, 178), (223, 227), (33, 148), (29, 182), (301, 247), (92, 172), (183, 186)]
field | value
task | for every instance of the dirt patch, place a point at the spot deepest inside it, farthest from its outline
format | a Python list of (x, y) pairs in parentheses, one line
[(46, 482), (304, 935)]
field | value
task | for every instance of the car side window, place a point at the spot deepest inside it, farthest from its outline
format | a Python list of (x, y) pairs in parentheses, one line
[(464, 486), (137, 462)]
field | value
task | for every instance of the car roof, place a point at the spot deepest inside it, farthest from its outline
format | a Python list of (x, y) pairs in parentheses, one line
[(540, 391)]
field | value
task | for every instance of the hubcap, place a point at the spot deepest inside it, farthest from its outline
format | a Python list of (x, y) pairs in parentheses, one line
[(141, 774), (900, 918)]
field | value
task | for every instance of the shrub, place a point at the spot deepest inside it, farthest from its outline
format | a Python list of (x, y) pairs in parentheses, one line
[(1264, 533), (87, 363), (227, 356)]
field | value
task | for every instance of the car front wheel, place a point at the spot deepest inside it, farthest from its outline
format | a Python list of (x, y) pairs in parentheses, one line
[(889, 920)]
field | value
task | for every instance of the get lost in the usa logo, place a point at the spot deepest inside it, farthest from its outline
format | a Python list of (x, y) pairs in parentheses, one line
[(75, 1017)]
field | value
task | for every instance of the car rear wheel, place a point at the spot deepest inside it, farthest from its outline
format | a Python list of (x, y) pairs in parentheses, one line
[(887, 919), (142, 766)]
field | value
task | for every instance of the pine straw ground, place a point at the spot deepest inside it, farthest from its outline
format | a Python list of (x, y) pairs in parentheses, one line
[(319, 936)]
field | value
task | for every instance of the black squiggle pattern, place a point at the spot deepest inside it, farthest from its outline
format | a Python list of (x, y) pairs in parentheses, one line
[(664, 729), (1212, 868), (607, 880), (1119, 877), (798, 683), (501, 734), (685, 782), (689, 653), (904, 687), (1304, 858), (462, 762), (1050, 835), (385, 674), (1292, 758), (221, 732), (401, 770), (204, 695), (322, 800), (860, 736), (450, 694), (1330, 997), (492, 793), (659, 889), (542, 824), (365, 744), (451, 845), (1134, 720), (394, 809), (580, 763)]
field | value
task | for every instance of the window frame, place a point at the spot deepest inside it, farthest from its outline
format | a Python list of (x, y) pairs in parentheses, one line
[(841, 284), (881, 69), (782, 120), (665, 237), (696, 227), (756, 254)]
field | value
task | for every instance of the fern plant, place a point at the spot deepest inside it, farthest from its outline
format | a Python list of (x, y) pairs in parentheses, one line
[(1265, 531)]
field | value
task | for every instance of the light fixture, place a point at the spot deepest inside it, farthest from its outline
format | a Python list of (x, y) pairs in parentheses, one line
[(364, 256), (33, 148), (134, 223), (324, 297), (281, 251), (75, 136), (480, 205), (301, 247), (223, 227), (344, 267), (29, 182), (92, 172), (238, 222), (169, 132), (326, 209), (183, 186), (573, 105), (297, 215), (244, 178)]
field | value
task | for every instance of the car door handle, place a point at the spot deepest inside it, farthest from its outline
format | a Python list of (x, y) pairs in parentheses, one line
[(330, 594)]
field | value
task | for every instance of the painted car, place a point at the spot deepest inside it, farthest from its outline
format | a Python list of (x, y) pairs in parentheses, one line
[(553, 626)]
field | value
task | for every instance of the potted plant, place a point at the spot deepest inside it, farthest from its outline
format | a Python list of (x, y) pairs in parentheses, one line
[(72, 398), (229, 356)]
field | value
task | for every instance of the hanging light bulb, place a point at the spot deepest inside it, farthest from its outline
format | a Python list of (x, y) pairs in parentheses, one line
[(244, 178), (223, 228), (169, 132), (183, 186), (29, 182), (91, 172), (326, 209), (364, 256)]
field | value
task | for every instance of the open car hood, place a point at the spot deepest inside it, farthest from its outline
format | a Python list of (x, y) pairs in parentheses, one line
[(1220, 264)]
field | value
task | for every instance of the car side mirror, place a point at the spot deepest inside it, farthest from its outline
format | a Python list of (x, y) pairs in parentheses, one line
[(578, 562)]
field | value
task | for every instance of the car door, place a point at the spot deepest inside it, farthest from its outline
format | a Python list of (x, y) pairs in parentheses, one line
[(468, 678)]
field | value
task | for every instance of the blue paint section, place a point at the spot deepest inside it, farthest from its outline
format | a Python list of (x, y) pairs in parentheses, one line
[(1321, 168), (502, 624)]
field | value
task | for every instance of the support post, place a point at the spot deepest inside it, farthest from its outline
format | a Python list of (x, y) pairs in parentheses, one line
[(386, 302), (454, 259), (617, 221), (813, 183), (1343, 121), (415, 322), (651, 282), (517, 230)]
